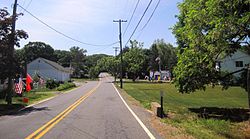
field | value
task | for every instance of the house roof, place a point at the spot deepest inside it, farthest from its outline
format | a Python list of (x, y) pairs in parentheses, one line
[(157, 73), (54, 64)]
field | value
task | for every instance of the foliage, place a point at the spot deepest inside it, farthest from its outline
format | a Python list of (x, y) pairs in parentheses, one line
[(63, 57), (91, 60), (206, 29), (105, 64), (165, 51), (34, 50), (78, 58), (5, 38), (94, 72), (65, 86), (134, 60), (51, 84)]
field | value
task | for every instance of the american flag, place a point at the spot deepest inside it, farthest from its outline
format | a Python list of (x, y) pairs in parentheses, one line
[(18, 86)]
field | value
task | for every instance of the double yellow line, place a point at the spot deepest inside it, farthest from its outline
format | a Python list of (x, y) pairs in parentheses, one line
[(45, 128)]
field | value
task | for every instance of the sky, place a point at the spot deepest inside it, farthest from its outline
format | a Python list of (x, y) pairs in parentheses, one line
[(91, 21)]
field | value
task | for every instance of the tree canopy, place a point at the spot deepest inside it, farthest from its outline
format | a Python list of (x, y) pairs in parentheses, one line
[(166, 54), (5, 38), (78, 61), (206, 29), (134, 60), (33, 50)]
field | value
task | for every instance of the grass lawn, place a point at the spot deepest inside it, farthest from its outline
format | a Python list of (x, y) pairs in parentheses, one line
[(32, 96), (184, 109), (17, 102), (84, 79)]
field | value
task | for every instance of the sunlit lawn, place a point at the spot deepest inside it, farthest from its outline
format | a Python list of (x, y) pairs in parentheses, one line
[(179, 105)]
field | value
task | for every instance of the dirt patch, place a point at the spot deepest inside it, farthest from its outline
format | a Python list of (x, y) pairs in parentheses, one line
[(168, 131), (246, 129)]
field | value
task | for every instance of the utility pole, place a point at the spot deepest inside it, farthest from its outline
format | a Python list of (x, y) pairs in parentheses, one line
[(116, 49), (120, 39), (11, 55)]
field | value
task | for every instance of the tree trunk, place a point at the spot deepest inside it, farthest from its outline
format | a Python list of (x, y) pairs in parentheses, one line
[(9, 91)]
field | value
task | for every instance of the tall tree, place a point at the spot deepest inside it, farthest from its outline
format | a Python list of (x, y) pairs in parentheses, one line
[(207, 28), (8, 64), (78, 61), (33, 50), (63, 57), (134, 60), (164, 52)]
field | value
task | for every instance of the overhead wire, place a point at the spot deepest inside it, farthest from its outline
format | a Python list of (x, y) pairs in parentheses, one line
[(131, 17), (28, 4), (59, 32), (139, 22), (149, 19)]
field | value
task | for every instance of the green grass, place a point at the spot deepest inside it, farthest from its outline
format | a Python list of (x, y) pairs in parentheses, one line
[(32, 96), (17, 102), (84, 79), (178, 105)]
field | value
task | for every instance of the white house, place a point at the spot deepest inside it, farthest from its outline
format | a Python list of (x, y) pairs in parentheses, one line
[(48, 70), (234, 62)]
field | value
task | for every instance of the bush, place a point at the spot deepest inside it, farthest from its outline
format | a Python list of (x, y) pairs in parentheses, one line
[(51, 84), (65, 86)]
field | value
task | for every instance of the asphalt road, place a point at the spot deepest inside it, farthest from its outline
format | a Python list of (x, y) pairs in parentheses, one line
[(93, 111)]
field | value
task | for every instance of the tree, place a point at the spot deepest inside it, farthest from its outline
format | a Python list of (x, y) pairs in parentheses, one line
[(205, 30), (105, 64), (5, 33), (33, 50), (8, 65), (63, 57), (163, 51), (134, 60), (78, 61)]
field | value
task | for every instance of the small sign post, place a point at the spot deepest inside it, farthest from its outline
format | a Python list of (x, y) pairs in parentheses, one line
[(162, 112)]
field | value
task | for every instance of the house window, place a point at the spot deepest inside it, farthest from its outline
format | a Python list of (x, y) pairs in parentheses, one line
[(239, 63)]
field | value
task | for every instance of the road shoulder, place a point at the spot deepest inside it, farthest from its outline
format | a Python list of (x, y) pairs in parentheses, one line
[(143, 114)]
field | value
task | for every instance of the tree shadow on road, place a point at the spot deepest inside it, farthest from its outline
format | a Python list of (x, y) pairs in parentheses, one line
[(231, 114), (18, 109)]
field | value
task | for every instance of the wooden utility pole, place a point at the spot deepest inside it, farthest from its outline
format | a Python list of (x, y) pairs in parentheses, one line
[(120, 39), (116, 71), (11, 55)]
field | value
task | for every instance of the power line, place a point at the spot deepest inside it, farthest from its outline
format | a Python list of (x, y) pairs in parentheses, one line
[(63, 33), (131, 17), (24, 2), (28, 4), (149, 18), (139, 21)]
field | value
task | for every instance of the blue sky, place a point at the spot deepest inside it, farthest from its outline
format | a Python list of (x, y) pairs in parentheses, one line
[(91, 21)]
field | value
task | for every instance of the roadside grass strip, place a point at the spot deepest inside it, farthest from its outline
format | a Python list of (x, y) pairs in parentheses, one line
[(49, 125)]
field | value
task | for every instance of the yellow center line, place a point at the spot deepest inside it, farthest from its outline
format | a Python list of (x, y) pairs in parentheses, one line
[(45, 128)]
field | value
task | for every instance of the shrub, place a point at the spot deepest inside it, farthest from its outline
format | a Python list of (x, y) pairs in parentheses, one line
[(65, 86), (51, 84)]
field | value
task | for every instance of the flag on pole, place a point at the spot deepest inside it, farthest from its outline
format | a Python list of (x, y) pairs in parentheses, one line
[(18, 86), (28, 81)]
